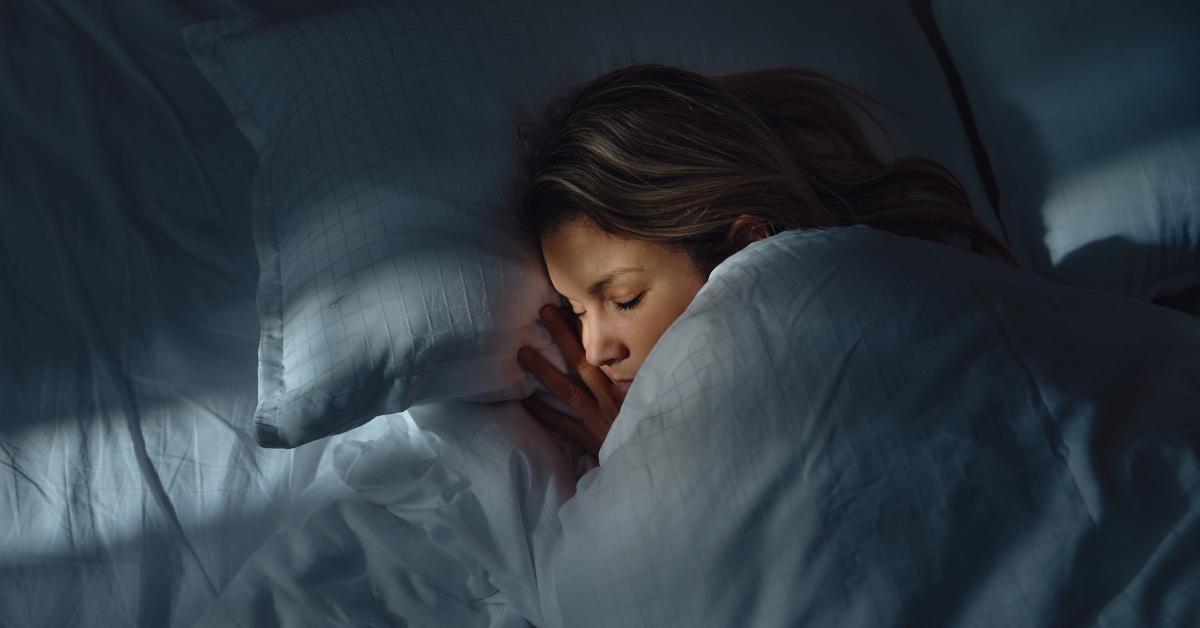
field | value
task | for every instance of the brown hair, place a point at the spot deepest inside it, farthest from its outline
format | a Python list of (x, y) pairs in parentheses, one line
[(668, 155)]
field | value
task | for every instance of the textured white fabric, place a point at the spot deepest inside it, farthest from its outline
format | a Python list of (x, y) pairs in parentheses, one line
[(484, 482), (853, 428)]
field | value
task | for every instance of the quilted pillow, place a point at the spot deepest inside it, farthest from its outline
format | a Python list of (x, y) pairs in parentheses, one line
[(390, 273), (1088, 115)]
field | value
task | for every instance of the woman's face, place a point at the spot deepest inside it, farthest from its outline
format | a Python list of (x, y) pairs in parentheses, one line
[(625, 292)]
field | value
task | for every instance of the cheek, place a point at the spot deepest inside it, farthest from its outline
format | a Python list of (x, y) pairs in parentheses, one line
[(683, 298), (660, 319), (675, 305)]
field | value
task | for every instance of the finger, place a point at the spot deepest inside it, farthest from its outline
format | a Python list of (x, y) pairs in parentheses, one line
[(563, 334), (556, 381), (603, 389), (556, 420), (589, 430)]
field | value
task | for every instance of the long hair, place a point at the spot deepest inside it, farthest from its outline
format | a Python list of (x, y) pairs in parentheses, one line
[(671, 156)]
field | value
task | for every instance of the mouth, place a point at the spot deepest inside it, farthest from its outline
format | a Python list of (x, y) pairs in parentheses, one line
[(624, 384)]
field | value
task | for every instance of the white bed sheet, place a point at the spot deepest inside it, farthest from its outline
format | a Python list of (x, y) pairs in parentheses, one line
[(131, 488)]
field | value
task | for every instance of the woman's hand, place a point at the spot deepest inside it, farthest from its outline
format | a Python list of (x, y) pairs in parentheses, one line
[(597, 406)]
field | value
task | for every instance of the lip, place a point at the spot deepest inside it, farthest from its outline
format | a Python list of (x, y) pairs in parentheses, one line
[(624, 384)]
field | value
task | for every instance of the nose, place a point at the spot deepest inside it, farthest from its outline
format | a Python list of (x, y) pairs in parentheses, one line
[(602, 347)]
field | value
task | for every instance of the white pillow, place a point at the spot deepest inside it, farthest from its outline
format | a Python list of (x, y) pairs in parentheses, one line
[(1088, 113)]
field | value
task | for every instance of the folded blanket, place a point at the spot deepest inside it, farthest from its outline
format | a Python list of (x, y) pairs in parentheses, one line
[(846, 427)]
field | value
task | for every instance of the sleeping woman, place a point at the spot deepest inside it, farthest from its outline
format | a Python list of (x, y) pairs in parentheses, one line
[(637, 184)]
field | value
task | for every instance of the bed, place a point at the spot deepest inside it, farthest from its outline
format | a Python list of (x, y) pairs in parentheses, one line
[(146, 484)]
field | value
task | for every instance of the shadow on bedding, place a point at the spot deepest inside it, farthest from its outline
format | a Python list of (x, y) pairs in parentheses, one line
[(1145, 267), (142, 580)]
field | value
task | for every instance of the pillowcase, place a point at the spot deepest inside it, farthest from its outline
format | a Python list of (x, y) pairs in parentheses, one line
[(390, 273), (1087, 113)]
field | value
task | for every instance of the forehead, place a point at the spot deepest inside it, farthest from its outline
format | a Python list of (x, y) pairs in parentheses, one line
[(578, 253)]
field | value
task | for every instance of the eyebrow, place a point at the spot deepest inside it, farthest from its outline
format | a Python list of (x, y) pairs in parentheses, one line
[(598, 287)]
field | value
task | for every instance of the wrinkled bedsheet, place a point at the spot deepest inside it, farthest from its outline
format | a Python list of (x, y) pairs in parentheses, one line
[(131, 489), (437, 516)]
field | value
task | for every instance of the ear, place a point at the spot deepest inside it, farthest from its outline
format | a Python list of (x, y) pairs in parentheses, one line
[(744, 230)]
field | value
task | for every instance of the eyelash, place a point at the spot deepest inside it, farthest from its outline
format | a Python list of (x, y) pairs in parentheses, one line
[(629, 305)]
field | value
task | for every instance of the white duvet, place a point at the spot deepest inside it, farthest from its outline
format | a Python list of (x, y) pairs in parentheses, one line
[(845, 428)]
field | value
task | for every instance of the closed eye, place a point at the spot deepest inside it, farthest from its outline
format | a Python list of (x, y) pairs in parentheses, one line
[(629, 305)]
